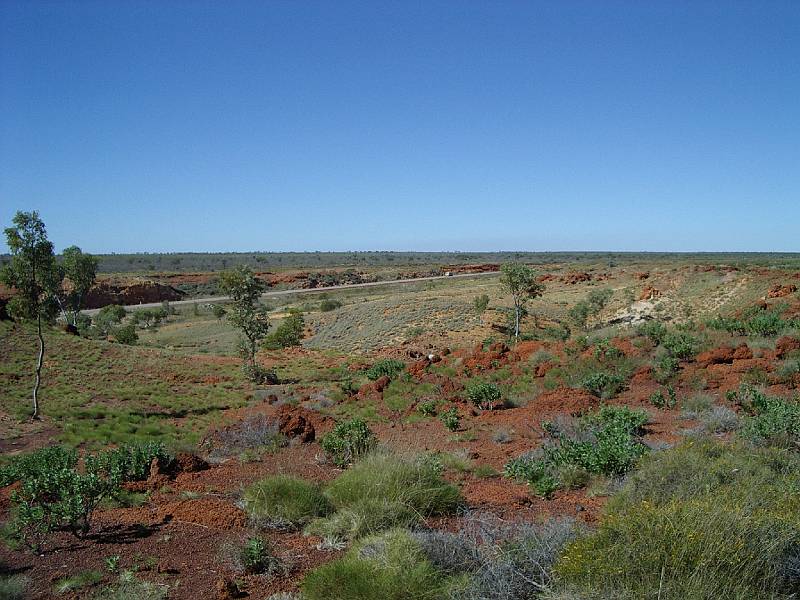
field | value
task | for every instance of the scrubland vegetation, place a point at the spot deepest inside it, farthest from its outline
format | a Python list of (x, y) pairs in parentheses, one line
[(548, 435)]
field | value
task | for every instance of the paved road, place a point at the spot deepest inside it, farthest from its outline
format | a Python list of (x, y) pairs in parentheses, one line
[(277, 293)]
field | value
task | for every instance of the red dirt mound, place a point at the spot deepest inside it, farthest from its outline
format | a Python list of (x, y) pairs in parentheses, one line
[(295, 422), (649, 293), (724, 355), (781, 291), (565, 400)]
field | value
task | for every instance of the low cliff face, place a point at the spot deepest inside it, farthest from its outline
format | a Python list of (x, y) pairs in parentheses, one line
[(138, 292)]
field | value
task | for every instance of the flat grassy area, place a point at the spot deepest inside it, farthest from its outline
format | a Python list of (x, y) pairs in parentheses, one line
[(96, 392)]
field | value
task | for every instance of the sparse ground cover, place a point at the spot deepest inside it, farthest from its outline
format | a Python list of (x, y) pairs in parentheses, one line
[(659, 459)]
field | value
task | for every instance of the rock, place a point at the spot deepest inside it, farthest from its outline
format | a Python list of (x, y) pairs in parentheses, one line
[(642, 276), (781, 291), (649, 293), (742, 352), (294, 424), (186, 462), (381, 383)]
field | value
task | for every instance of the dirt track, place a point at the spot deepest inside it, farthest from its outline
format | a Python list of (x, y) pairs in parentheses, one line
[(304, 290)]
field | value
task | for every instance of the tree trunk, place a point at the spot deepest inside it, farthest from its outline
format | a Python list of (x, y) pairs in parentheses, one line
[(38, 381), (516, 322)]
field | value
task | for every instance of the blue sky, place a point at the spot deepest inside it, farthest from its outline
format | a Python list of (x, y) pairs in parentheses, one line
[(465, 125)]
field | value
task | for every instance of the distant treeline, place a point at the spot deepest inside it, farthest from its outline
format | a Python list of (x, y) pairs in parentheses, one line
[(184, 262)]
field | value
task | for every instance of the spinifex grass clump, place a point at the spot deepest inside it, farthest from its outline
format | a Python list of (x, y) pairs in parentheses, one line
[(285, 501), (771, 420), (704, 520), (605, 442), (384, 491)]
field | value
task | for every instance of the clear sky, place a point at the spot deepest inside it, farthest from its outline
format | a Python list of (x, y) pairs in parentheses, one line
[(464, 125)]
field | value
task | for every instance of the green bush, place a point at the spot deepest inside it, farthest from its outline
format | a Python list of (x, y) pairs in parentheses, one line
[(126, 335), (22, 467), (483, 394), (427, 408), (129, 462), (705, 520), (284, 501), (772, 420), (388, 367), (348, 441), (390, 566), (328, 305), (256, 557), (289, 333), (755, 322), (450, 418), (656, 331), (604, 385), (680, 344), (606, 443)]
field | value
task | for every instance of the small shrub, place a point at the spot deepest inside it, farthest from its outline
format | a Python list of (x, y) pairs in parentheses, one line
[(258, 374), (680, 344), (284, 501), (388, 367), (348, 442), (604, 385), (427, 408), (696, 405), (289, 333), (126, 335), (256, 557), (660, 399), (719, 419), (256, 433), (665, 368), (328, 305), (129, 462), (53, 458), (450, 418), (483, 395), (656, 331)]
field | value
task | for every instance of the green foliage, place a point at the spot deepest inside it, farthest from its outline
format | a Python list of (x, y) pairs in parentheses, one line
[(659, 399), (656, 331), (450, 418), (131, 588), (284, 501), (32, 270), (128, 462), (427, 408), (605, 443), (126, 334), (771, 420), (256, 557), (106, 319), (704, 520), (388, 367), (289, 333), (415, 482), (665, 368), (483, 394), (592, 305), (25, 466), (327, 305), (348, 441), (480, 304), (680, 344), (604, 385), (755, 322), (80, 270), (390, 566), (148, 318)]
